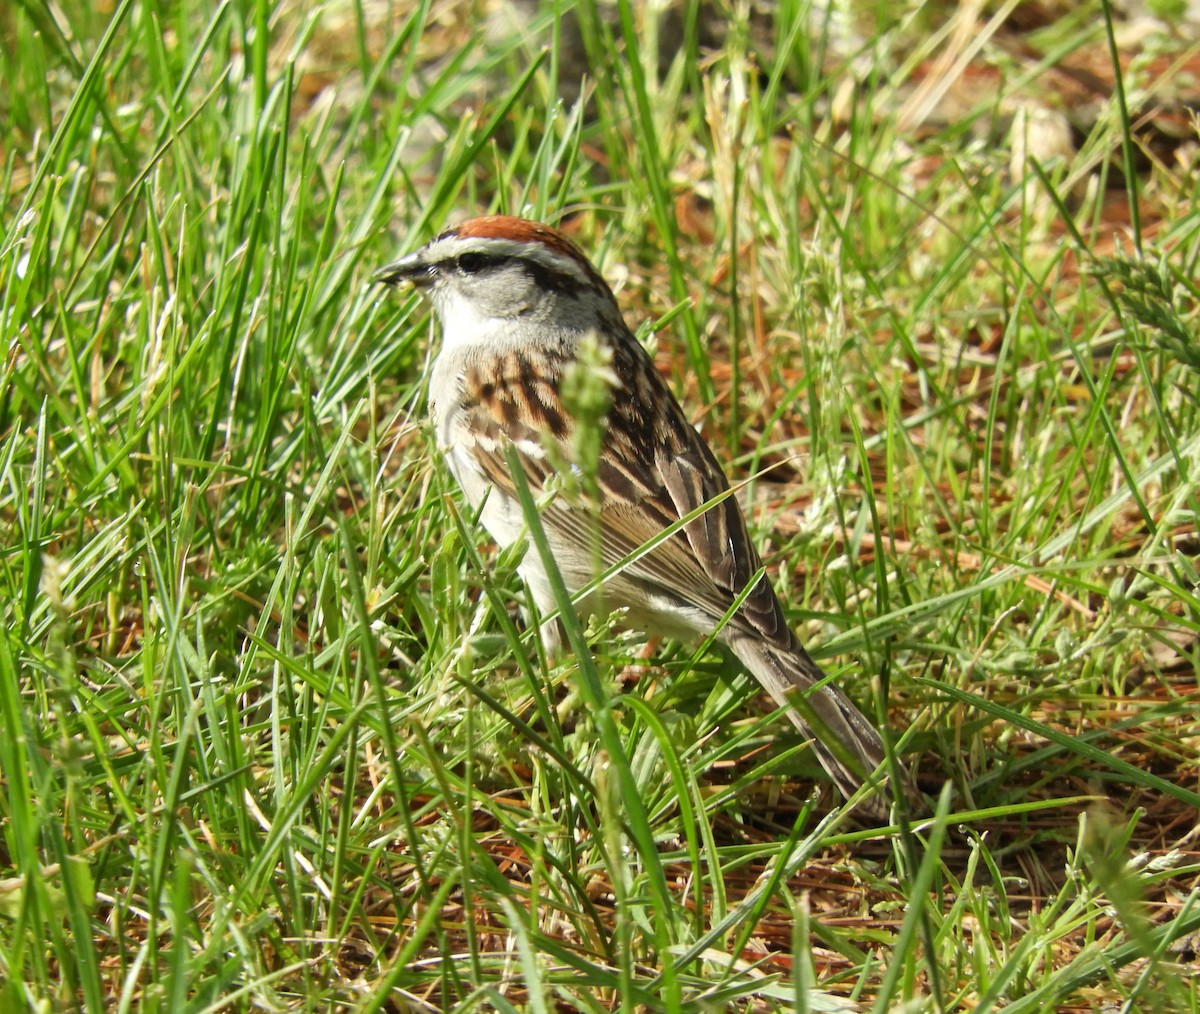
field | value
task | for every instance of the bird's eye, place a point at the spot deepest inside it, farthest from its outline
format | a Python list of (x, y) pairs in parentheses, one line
[(473, 263)]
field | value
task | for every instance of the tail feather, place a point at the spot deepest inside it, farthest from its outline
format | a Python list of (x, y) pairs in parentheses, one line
[(845, 741)]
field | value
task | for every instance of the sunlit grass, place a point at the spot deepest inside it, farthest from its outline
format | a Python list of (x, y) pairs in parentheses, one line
[(272, 732)]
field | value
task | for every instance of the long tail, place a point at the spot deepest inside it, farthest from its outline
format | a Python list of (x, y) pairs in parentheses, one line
[(846, 743)]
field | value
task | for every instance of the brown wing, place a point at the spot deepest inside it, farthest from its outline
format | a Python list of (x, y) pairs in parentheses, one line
[(655, 470)]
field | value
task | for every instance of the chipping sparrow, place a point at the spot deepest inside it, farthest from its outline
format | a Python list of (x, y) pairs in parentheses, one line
[(517, 301)]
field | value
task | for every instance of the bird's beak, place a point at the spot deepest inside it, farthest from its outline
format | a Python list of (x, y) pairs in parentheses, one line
[(413, 268)]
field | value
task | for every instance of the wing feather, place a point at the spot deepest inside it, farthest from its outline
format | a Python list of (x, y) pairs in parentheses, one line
[(656, 469)]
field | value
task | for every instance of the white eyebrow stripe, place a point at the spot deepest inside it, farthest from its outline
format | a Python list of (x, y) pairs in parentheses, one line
[(452, 247)]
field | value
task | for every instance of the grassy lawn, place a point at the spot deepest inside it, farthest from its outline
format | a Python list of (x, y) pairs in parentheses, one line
[(273, 736)]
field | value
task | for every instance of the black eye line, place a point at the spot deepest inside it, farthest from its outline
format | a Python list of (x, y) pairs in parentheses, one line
[(473, 262)]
